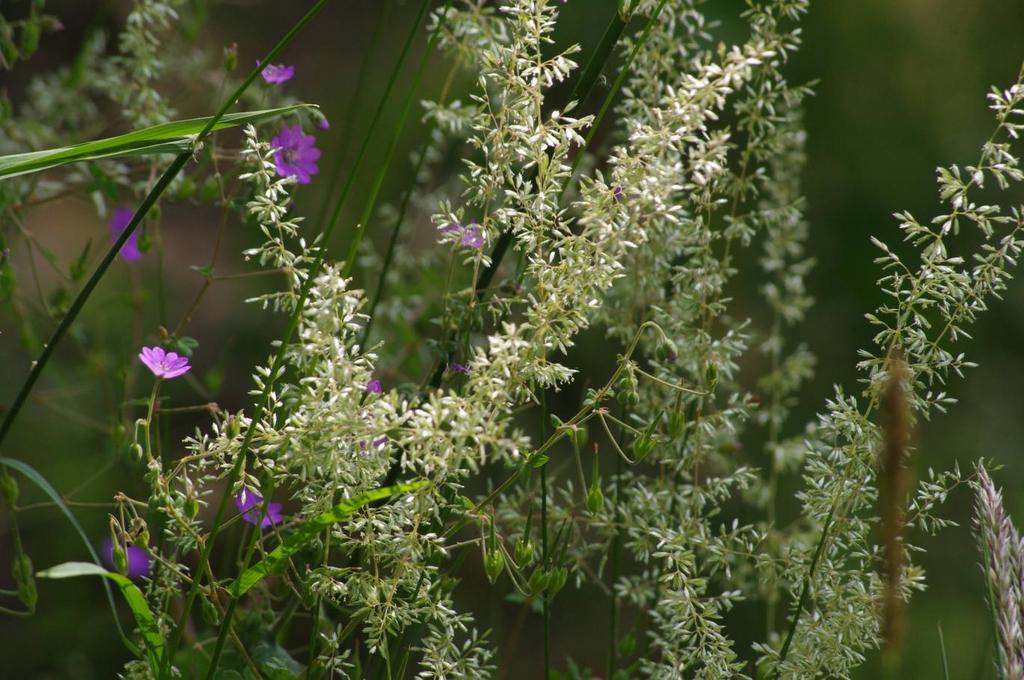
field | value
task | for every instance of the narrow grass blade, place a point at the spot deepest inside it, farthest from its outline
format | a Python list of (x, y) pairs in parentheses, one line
[(33, 476), (297, 539), (166, 138), (132, 595)]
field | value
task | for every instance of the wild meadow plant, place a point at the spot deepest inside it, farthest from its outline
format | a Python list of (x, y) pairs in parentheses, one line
[(399, 438)]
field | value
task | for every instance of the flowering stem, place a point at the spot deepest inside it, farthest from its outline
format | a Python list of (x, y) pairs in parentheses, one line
[(804, 590), (140, 213), (276, 363)]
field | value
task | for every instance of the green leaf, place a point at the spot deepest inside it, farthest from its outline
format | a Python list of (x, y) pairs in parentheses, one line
[(33, 476), (298, 538), (173, 137), (136, 602)]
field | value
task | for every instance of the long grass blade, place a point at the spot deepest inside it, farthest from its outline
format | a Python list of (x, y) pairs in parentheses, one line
[(174, 137)]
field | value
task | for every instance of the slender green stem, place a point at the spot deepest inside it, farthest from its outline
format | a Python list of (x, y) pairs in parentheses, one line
[(804, 591), (276, 366), (147, 203), (400, 219), (545, 599), (378, 181), (613, 572), (354, 98)]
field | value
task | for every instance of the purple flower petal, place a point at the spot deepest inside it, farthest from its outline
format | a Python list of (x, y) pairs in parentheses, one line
[(118, 222), (138, 559), (248, 504), (374, 387), (275, 74), (295, 154), (164, 364)]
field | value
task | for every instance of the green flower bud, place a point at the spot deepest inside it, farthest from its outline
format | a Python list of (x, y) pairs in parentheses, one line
[(494, 564), (676, 423), (231, 57), (556, 579), (191, 507), (642, 446), (666, 351), (711, 376), (595, 499), (24, 579), (627, 645), (120, 558), (538, 580), (9, 489), (30, 36), (524, 552)]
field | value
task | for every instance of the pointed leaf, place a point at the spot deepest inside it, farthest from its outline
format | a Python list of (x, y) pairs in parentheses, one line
[(169, 138), (136, 602), (305, 533)]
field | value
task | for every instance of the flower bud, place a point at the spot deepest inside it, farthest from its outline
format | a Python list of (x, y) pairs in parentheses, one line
[(231, 57), (642, 446), (595, 499), (556, 579), (538, 580), (120, 558), (494, 564), (9, 488), (676, 423), (24, 579), (524, 551)]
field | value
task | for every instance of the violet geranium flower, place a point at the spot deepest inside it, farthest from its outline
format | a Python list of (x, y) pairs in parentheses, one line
[(275, 74), (374, 387), (249, 502), (294, 153), (138, 559), (119, 222), (470, 235), (164, 364)]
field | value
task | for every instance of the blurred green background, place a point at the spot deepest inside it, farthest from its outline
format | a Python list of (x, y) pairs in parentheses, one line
[(901, 90)]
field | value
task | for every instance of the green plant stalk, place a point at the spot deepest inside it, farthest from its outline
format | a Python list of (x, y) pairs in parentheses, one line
[(349, 120), (544, 598), (389, 254), (804, 591), (276, 363), (613, 574), (410, 95)]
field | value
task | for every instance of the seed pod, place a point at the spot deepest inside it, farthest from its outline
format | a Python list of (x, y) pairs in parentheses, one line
[(595, 499), (30, 36), (231, 57), (642, 446), (494, 564), (9, 488), (120, 558), (24, 579), (538, 581), (666, 351), (556, 579), (711, 376), (676, 423), (524, 551)]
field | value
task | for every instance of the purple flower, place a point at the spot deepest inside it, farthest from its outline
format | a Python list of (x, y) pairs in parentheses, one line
[(458, 368), (374, 387), (469, 235), (380, 441), (323, 124), (472, 237), (118, 222), (618, 193), (138, 559), (164, 364), (275, 74), (248, 503), (294, 153)]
